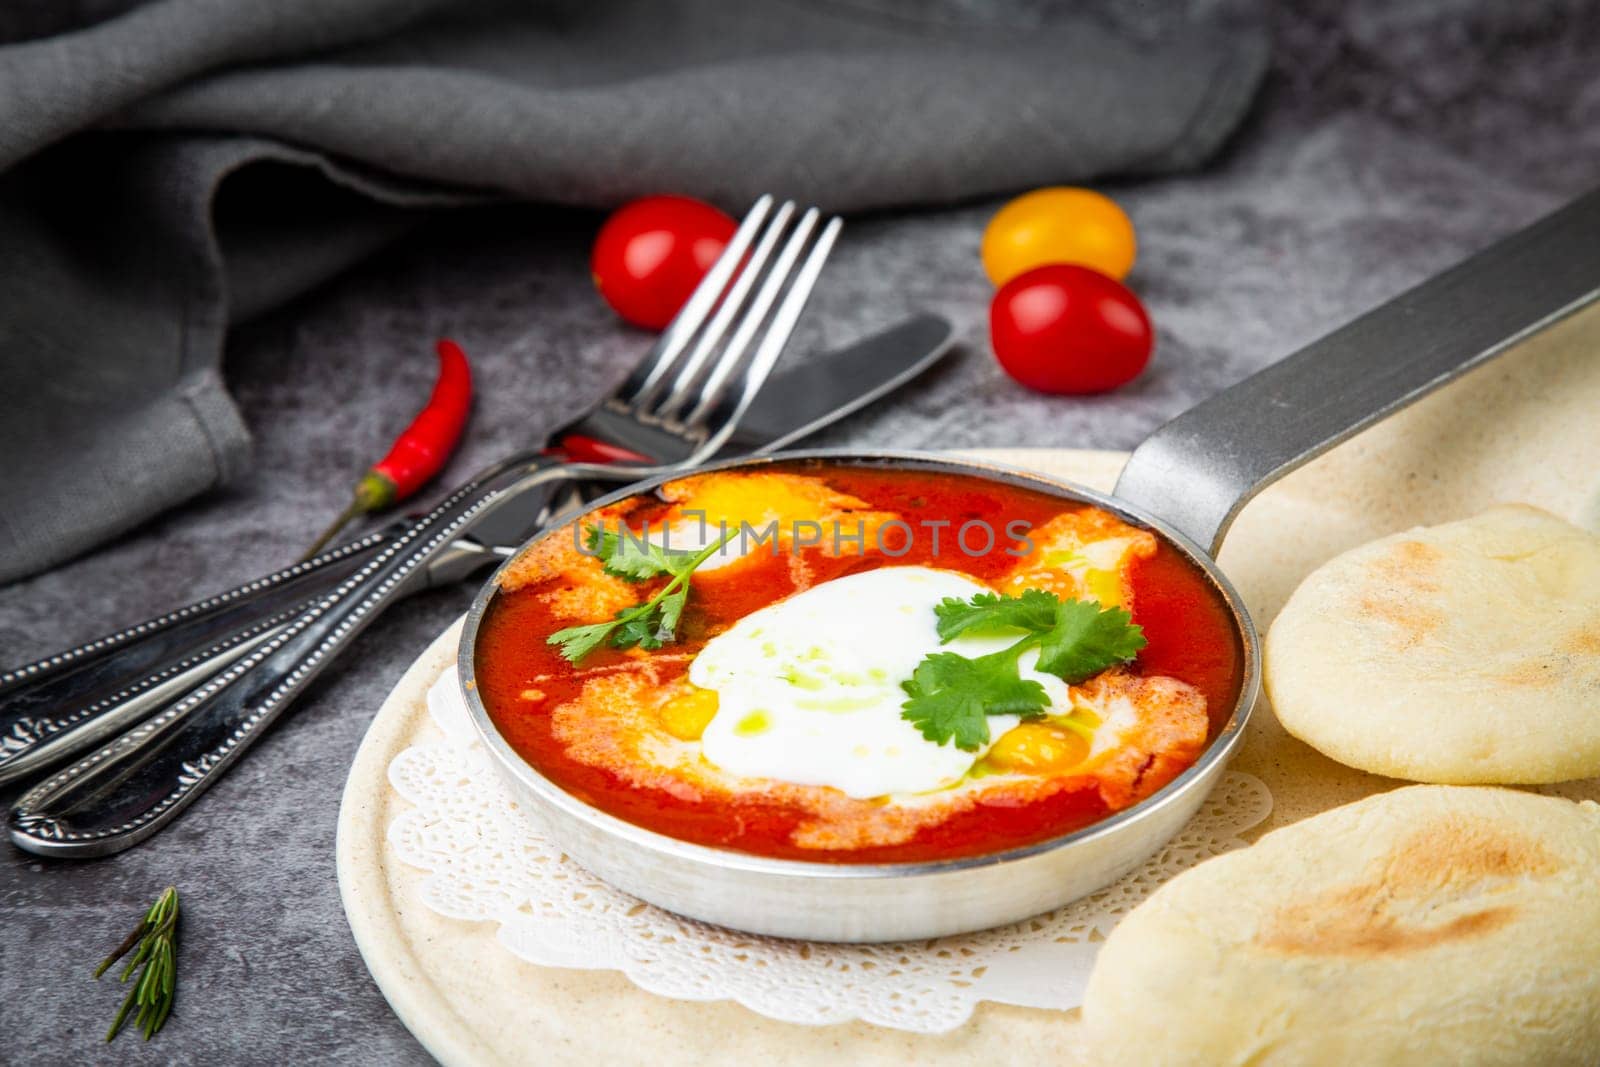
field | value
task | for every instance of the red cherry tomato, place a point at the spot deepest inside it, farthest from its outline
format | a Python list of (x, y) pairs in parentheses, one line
[(1062, 328), (651, 253)]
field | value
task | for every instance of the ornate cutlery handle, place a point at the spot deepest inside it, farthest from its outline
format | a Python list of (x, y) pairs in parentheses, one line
[(66, 702), (122, 793), (37, 737), (153, 633)]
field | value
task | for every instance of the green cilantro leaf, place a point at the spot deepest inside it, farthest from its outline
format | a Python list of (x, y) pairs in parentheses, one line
[(941, 715), (638, 628), (670, 609), (632, 557), (578, 641), (952, 696), (648, 625), (599, 541), (1086, 639), (1034, 610)]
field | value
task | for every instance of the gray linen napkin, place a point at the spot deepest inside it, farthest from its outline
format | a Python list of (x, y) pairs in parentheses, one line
[(187, 163)]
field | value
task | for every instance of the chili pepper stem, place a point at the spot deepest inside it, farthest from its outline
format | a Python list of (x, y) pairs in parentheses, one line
[(338, 524), (374, 492)]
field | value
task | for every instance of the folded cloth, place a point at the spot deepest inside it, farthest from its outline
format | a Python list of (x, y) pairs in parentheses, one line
[(118, 276)]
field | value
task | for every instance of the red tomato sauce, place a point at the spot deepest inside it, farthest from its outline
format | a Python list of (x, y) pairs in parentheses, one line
[(1188, 626)]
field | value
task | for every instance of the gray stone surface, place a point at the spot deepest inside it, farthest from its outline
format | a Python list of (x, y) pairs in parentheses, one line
[(1388, 144)]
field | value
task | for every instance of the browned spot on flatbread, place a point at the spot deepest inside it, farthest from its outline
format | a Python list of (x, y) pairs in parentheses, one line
[(1414, 621), (1345, 927), (1410, 564), (1454, 849), (1400, 581), (1531, 672), (1446, 866), (1582, 642), (1562, 662)]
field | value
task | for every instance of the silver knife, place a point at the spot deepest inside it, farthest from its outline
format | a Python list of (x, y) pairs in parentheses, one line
[(824, 390), (66, 703)]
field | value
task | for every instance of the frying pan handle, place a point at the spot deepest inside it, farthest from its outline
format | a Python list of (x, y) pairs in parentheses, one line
[(1198, 470)]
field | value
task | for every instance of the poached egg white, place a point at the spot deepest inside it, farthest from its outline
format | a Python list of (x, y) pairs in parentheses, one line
[(809, 688)]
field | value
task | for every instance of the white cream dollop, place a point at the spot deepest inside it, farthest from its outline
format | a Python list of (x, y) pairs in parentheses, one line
[(809, 688)]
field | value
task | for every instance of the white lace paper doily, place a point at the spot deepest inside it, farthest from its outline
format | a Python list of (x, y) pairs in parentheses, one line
[(487, 862)]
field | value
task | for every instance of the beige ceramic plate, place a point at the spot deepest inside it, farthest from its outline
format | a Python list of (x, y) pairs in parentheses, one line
[(1526, 427)]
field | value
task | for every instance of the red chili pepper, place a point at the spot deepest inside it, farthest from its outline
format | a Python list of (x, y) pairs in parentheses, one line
[(581, 448), (421, 449)]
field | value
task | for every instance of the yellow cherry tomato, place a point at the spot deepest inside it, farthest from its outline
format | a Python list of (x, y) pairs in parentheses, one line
[(1058, 225)]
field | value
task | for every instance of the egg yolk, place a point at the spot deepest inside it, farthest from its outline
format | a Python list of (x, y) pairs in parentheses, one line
[(758, 497), (1083, 554), (1038, 748), (1074, 574), (685, 717)]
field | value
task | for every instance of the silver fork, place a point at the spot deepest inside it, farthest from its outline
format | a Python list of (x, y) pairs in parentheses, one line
[(129, 789)]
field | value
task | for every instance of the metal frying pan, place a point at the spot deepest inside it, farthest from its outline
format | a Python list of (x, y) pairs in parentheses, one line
[(1186, 483)]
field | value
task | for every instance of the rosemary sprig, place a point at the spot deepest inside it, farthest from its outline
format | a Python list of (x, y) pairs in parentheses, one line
[(156, 938)]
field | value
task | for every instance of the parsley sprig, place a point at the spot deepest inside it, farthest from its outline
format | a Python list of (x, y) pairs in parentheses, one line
[(953, 696), (647, 625)]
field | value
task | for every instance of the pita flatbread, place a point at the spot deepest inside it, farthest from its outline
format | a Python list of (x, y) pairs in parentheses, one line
[(1466, 653), (1431, 924)]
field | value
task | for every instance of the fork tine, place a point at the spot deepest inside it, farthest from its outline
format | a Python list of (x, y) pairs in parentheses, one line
[(754, 316), (754, 373), (732, 300), (654, 367)]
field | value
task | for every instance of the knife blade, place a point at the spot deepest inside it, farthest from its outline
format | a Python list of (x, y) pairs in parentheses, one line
[(804, 399)]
